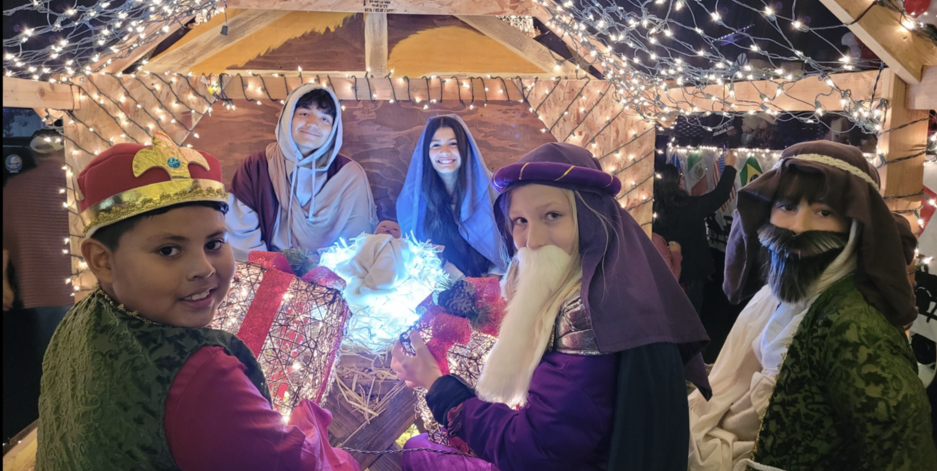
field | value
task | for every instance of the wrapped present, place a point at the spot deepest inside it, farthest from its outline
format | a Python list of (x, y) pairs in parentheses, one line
[(293, 325), (460, 326)]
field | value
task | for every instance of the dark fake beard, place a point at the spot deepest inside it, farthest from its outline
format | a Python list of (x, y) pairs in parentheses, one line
[(797, 260)]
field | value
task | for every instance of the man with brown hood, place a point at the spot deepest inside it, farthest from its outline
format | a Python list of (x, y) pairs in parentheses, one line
[(817, 372)]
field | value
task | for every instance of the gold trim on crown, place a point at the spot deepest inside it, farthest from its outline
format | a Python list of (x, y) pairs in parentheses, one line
[(167, 155), (147, 198)]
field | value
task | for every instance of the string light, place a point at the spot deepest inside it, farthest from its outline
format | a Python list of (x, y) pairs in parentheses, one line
[(636, 80)]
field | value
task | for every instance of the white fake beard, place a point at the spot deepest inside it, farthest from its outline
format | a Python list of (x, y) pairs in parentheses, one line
[(526, 327)]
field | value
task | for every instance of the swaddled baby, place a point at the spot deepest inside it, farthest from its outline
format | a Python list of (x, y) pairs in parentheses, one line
[(379, 265)]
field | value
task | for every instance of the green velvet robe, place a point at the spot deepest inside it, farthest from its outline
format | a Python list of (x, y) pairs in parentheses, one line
[(847, 396), (105, 380)]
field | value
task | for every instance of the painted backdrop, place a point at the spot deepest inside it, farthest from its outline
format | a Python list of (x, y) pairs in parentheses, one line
[(378, 135)]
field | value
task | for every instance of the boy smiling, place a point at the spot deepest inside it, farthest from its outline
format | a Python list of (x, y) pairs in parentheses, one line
[(300, 192), (132, 378)]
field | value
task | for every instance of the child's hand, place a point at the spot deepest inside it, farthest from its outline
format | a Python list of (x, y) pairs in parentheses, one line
[(419, 371)]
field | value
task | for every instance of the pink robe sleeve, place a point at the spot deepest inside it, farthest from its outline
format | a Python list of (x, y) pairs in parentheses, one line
[(217, 419)]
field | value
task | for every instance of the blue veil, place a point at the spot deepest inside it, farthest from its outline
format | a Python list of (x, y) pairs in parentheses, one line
[(477, 219)]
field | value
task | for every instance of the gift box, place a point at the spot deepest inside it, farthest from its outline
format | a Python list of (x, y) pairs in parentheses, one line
[(460, 326), (293, 325)]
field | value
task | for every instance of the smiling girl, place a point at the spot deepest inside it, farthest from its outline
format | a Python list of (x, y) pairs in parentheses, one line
[(447, 198)]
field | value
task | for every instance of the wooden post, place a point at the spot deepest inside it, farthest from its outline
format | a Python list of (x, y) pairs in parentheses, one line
[(905, 177), (375, 43)]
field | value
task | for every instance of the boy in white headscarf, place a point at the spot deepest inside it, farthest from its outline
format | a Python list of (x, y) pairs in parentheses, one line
[(299, 192)]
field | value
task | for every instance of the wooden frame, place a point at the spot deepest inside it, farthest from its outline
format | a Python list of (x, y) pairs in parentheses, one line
[(180, 59), (133, 56), (922, 96), (878, 28), (903, 180), (801, 96), (413, 7), (23, 93)]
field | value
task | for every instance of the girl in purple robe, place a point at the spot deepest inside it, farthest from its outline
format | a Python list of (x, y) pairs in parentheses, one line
[(597, 341), (446, 198)]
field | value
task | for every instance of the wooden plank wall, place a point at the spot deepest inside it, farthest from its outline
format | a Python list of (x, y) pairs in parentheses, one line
[(379, 135), (587, 113), (125, 109)]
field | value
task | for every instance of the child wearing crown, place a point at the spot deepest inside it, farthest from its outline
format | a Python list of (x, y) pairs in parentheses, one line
[(132, 378)]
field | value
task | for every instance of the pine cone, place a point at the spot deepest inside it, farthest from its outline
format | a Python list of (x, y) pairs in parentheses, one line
[(459, 300), (300, 260)]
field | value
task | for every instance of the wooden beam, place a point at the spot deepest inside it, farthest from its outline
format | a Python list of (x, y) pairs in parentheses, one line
[(904, 179), (153, 31), (879, 29), (22, 93), (361, 74), (923, 96), (441, 87), (211, 42), (520, 44), (413, 7), (574, 45), (799, 96), (375, 43)]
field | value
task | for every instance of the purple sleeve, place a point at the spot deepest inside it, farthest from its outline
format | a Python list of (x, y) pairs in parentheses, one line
[(567, 421)]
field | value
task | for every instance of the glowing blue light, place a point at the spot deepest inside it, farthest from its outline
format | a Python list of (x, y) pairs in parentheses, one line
[(377, 325)]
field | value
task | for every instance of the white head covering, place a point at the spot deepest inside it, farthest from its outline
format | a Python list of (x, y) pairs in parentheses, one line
[(298, 181), (304, 183)]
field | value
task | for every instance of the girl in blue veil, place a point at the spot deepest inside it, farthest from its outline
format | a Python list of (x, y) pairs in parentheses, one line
[(447, 198)]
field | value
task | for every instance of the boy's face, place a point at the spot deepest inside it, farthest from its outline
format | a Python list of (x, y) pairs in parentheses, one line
[(542, 215), (311, 128), (172, 268), (803, 216)]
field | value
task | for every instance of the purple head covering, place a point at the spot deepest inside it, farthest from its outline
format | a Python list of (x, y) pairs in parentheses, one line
[(630, 294)]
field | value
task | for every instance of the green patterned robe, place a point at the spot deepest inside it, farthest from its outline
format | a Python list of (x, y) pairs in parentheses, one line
[(847, 396), (105, 379)]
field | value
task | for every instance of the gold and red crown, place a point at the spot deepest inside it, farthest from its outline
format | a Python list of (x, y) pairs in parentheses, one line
[(131, 179)]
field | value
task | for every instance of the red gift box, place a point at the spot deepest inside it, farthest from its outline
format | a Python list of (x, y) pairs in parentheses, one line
[(459, 344), (293, 325)]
